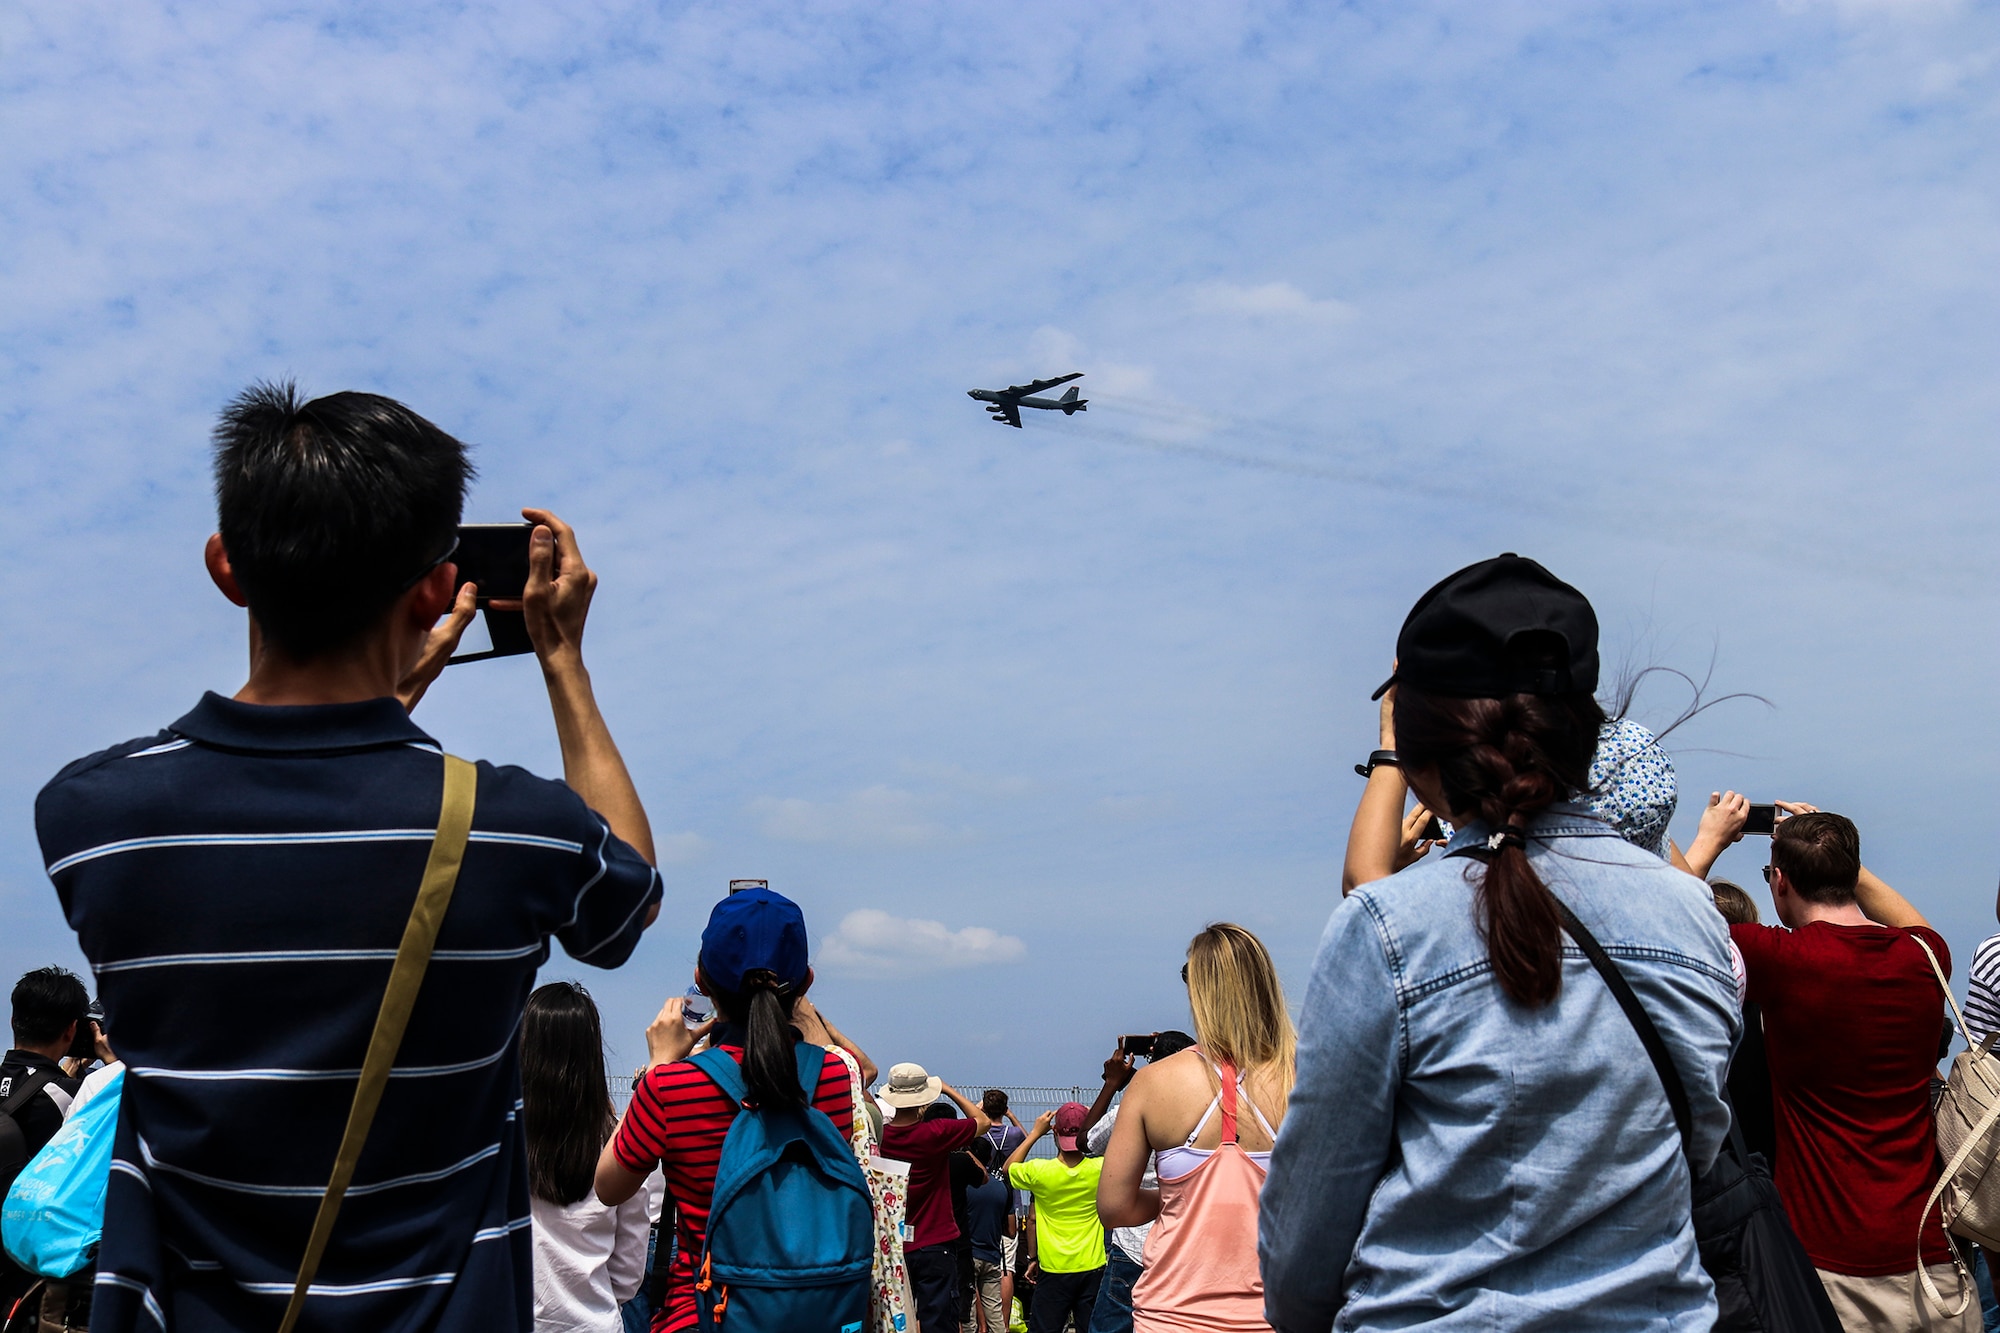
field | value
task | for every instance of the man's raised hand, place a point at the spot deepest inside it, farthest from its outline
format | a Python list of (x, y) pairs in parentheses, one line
[(439, 647), (556, 601)]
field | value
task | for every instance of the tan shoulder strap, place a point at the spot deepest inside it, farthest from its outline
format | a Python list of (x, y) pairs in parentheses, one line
[(406, 977), (1972, 1141)]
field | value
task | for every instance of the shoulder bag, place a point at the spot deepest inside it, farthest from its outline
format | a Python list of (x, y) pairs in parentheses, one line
[(406, 977), (1764, 1281), (1968, 1189)]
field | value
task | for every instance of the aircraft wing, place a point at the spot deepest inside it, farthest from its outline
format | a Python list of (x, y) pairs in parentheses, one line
[(1023, 390), (1009, 412)]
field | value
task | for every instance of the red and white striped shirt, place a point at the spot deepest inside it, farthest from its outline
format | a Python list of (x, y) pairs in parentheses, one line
[(677, 1121)]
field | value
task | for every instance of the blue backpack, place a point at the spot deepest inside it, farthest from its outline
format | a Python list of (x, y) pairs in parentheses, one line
[(791, 1226)]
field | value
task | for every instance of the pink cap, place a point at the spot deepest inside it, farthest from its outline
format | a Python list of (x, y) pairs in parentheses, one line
[(1069, 1125)]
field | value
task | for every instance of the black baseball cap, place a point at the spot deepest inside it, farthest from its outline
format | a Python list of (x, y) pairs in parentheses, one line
[(1503, 626)]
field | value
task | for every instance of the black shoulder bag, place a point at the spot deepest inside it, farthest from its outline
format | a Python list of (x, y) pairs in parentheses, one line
[(1764, 1283)]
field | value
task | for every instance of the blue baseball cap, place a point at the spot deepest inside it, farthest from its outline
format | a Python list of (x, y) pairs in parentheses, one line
[(751, 931)]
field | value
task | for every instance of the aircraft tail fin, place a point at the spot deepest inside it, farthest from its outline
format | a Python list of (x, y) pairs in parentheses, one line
[(1071, 404)]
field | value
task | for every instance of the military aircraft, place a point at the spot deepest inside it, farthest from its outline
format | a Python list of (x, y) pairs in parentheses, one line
[(1006, 404)]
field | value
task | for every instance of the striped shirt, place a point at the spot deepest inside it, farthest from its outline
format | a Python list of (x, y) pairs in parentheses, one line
[(677, 1120), (1982, 991), (239, 883)]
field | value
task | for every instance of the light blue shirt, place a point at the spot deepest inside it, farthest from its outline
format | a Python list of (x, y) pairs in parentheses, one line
[(1453, 1160)]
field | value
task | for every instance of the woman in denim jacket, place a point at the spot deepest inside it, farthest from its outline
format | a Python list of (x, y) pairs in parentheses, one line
[(1476, 1138)]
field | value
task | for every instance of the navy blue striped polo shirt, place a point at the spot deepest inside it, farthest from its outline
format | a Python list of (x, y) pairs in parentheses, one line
[(239, 883)]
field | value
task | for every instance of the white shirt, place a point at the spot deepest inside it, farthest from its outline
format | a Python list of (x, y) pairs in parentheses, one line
[(590, 1259), (1131, 1241), (93, 1083)]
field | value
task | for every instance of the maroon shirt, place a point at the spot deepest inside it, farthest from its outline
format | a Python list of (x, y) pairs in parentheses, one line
[(1852, 1017), (928, 1148)]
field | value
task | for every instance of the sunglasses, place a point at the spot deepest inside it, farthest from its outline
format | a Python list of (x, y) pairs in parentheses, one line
[(1767, 873), (1183, 974)]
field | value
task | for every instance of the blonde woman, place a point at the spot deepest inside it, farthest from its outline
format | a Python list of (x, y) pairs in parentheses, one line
[(1211, 1114)]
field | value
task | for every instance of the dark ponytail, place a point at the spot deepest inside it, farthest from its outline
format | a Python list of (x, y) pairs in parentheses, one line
[(770, 1059), (1505, 761)]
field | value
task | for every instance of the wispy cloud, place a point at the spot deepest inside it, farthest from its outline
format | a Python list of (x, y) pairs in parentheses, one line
[(1269, 299), (1691, 303), (874, 942), (681, 848), (878, 816)]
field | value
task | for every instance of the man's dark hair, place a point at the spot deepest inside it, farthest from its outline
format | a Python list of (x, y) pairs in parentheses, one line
[(46, 1001), (982, 1152), (994, 1103), (1820, 853), (1170, 1042), (331, 509), (939, 1110)]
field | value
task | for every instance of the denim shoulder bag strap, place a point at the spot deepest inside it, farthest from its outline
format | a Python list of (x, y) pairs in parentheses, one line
[(1764, 1280), (406, 977)]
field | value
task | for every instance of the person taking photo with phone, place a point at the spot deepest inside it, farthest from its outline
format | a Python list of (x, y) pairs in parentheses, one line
[(1209, 1115), (261, 856), (1476, 1137)]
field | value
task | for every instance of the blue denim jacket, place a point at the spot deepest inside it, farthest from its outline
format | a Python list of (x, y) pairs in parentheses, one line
[(1454, 1160)]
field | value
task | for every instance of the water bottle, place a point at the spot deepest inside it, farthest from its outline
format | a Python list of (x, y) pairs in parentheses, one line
[(697, 1010)]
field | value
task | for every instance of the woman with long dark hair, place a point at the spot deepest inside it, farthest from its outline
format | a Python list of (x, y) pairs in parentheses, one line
[(589, 1258), (1477, 1138)]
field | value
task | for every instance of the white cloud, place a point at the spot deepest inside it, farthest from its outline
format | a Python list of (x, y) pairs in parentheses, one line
[(1270, 299), (679, 849), (874, 941), (874, 816)]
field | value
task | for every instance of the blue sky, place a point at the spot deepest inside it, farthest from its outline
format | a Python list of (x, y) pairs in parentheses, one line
[(1694, 303)]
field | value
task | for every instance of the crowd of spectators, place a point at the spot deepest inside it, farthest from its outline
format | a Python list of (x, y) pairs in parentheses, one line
[(1533, 1027)]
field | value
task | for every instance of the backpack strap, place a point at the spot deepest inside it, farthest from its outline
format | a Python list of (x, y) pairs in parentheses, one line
[(812, 1063), (406, 978), (31, 1085), (726, 1074), (1965, 1150), (723, 1071)]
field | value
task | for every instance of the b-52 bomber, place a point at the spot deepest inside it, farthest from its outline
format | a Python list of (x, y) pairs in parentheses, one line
[(1006, 404)]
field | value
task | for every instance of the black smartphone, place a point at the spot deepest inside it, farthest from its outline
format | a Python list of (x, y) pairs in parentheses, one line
[(1763, 819), (1138, 1046), (495, 557), (1433, 831)]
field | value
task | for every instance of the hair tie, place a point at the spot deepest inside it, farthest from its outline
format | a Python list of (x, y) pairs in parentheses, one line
[(1510, 835)]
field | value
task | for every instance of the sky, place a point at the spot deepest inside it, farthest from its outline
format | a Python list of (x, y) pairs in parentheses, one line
[(1692, 302)]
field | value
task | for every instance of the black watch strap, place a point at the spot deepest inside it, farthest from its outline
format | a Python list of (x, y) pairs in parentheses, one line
[(1377, 758)]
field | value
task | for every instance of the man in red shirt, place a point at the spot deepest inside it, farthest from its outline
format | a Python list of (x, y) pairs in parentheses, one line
[(930, 1243), (1852, 1021)]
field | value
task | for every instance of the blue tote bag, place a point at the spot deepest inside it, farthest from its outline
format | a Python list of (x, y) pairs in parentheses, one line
[(54, 1214)]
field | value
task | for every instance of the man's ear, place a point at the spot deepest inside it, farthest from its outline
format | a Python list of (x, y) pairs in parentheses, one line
[(220, 571), (433, 594), (807, 984)]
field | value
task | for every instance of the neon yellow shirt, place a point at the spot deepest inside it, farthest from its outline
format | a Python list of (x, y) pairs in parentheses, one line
[(1068, 1236)]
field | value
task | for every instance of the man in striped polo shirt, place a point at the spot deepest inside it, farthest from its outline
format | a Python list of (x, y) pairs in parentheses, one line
[(239, 883)]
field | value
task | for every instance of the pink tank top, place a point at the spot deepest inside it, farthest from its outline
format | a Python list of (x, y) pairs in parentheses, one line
[(1201, 1255)]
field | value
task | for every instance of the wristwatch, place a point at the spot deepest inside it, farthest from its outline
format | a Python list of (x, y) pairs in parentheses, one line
[(1377, 758)]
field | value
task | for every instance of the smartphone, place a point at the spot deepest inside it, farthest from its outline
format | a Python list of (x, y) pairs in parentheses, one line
[(495, 557), (1763, 819), (1433, 831), (1139, 1046)]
